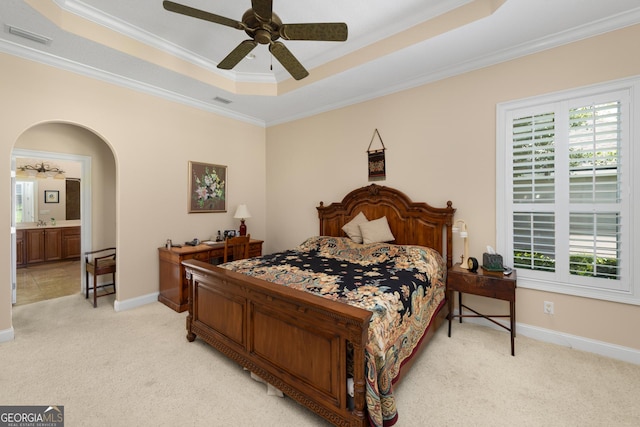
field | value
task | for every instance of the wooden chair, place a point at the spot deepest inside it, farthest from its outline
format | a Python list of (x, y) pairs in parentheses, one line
[(97, 263), (236, 248)]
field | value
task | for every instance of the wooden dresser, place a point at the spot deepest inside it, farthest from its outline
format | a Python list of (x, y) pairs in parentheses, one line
[(174, 286)]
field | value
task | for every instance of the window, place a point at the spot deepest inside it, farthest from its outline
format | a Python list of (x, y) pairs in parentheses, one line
[(26, 191), (565, 217)]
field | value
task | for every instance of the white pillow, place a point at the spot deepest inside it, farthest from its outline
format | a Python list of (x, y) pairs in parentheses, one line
[(352, 228), (376, 231)]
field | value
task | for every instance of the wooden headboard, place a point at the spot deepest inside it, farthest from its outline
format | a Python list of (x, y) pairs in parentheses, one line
[(411, 223)]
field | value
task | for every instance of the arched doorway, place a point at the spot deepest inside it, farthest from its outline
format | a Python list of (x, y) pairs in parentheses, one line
[(63, 142)]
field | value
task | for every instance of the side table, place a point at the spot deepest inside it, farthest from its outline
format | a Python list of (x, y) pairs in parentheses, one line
[(487, 284)]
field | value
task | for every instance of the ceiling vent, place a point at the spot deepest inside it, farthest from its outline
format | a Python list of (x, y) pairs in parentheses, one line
[(25, 34), (222, 100)]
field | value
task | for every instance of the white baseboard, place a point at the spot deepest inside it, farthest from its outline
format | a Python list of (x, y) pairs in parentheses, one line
[(135, 302), (7, 335), (614, 351)]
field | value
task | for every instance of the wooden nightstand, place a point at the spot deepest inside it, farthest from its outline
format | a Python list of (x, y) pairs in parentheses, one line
[(486, 284)]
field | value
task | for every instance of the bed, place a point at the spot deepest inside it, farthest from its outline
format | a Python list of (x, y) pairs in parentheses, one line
[(317, 349)]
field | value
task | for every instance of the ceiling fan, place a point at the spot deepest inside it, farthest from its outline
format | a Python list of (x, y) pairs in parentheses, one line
[(265, 27)]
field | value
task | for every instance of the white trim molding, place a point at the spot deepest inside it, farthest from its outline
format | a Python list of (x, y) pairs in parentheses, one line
[(7, 335), (601, 348), (136, 302), (618, 352)]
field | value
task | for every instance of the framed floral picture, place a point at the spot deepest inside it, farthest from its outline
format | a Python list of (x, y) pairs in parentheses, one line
[(207, 187), (51, 196)]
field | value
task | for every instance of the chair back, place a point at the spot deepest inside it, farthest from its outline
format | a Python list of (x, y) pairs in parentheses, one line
[(236, 248), (101, 260)]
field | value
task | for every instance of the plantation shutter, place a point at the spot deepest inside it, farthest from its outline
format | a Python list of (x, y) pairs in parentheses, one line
[(533, 177), (567, 194), (595, 142)]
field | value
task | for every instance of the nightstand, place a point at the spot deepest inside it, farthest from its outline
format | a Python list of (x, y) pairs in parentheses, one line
[(487, 284)]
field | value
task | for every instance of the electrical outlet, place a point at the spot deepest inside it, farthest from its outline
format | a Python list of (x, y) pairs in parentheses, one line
[(548, 307)]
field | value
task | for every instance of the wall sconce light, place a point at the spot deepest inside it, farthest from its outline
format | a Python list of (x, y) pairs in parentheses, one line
[(464, 233), (242, 213), (40, 170)]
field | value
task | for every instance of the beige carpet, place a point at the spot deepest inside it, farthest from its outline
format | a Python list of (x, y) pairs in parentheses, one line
[(137, 368)]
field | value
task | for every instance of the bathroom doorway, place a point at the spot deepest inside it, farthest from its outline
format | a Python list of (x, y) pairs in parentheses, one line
[(64, 141), (34, 280)]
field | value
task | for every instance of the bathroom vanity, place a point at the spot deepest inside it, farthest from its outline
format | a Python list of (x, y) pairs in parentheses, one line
[(39, 244)]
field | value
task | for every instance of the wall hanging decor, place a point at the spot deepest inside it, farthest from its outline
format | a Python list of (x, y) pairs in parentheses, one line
[(51, 196), (375, 158), (207, 187)]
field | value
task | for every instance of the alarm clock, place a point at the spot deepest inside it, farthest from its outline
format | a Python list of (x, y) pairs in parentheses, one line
[(472, 263)]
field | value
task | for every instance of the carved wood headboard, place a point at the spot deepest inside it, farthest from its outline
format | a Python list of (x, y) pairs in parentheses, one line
[(411, 223)]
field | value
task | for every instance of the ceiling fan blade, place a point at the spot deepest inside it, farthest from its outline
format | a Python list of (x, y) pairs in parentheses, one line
[(201, 14), (263, 9), (237, 54), (333, 32), (288, 61)]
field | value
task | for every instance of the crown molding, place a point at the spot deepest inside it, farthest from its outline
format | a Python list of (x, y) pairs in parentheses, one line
[(113, 23), (92, 72), (586, 31), (606, 25)]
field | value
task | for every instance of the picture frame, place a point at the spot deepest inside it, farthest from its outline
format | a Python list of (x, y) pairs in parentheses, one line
[(207, 188), (51, 196)]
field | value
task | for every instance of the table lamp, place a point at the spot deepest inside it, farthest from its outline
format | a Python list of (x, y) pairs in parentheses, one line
[(242, 213), (463, 232)]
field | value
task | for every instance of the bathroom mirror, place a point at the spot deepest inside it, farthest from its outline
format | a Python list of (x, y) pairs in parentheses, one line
[(32, 206)]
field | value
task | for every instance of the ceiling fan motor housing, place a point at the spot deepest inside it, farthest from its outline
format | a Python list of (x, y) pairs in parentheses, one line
[(263, 32)]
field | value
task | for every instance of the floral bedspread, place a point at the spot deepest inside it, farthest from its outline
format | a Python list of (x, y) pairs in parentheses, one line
[(402, 285)]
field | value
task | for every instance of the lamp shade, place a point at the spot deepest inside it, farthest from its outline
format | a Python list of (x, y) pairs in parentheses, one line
[(242, 212)]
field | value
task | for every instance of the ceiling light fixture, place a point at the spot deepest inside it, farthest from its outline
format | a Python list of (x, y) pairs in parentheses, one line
[(41, 170)]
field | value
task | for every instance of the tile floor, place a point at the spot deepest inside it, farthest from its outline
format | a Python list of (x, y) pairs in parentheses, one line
[(47, 281)]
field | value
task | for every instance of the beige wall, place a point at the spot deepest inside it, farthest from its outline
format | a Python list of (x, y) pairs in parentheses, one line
[(73, 139), (152, 141), (441, 141)]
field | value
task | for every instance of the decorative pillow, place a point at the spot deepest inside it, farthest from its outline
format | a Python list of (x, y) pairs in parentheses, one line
[(352, 228), (376, 231)]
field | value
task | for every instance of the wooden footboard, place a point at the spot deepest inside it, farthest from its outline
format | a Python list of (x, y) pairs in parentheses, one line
[(296, 341)]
